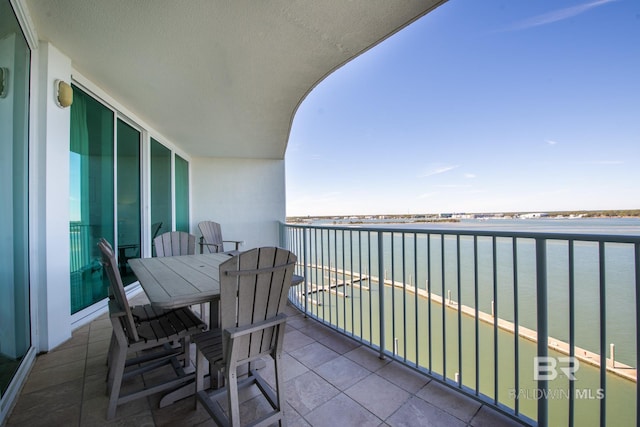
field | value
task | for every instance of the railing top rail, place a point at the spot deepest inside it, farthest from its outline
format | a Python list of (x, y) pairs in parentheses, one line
[(585, 237)]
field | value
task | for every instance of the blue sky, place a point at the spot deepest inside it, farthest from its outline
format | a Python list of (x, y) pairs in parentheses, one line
[(480, 106)]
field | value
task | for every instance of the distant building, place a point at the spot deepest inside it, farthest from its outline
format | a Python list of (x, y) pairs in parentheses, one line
[(533, 215), (463, 216)]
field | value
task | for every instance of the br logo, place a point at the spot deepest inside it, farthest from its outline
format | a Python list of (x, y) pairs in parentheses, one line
[(546, 368)]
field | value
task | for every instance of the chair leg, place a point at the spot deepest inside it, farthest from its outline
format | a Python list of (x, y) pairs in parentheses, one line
[(200, 371), (109, 362), (279, 390), (117, 368), (232, 396), (186, 350), (111, 344)]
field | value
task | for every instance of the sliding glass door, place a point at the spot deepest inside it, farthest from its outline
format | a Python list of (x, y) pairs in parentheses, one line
[(161, 218), (129, 207), (91, 196), (15, 329), (100, 145), (182, 194)]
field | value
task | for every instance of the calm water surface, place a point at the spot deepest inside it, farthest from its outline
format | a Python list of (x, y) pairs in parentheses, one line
[(620, 306)]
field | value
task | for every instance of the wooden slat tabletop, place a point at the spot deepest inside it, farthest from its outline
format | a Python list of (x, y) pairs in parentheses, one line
[(178, 281)]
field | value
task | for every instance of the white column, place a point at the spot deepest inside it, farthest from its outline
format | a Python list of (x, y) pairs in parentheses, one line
[(52, 187)]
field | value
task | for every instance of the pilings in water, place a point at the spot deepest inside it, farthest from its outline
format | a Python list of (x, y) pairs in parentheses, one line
[(583, 355)]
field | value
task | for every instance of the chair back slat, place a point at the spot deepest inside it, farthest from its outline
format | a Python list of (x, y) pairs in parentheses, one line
[(175, 243), (111, 252), (117, 288), (277, 298), (253, 288), (212, 236)]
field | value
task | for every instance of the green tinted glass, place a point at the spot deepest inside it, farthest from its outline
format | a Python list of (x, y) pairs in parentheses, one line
[(182, 194), (160, 187), (91, 197), (128, 198), (15, 329)]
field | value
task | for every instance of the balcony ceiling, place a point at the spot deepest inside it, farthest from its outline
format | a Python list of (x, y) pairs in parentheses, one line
[(217, 78)]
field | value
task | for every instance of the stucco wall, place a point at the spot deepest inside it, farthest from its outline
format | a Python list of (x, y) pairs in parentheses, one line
[(246, 196)]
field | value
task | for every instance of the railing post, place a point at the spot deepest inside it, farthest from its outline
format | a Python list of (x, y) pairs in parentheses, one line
[(603, 333), (542, 326), (381, 291), (305, 260), (637, 275)]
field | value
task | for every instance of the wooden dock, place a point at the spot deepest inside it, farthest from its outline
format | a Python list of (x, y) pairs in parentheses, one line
[(586, 356), (328, 287)]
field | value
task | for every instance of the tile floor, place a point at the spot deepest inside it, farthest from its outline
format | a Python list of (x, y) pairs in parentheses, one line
[(329, 381)]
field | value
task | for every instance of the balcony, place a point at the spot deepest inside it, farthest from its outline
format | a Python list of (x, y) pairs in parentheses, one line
[(230, 117), (539, 326), (330, 380), (466, 314)]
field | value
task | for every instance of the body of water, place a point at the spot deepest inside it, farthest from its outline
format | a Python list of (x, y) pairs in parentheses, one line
[(431, 263)]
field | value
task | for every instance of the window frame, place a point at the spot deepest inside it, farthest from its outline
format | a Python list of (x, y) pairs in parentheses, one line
[(120, 112)]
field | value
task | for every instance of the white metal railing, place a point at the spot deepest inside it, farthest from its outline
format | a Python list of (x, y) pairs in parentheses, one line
[(79, 236), (541, 326)]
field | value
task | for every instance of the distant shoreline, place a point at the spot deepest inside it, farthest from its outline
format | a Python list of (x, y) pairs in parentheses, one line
[(457, 216)]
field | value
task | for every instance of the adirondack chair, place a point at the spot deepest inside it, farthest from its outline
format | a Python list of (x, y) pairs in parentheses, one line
[(212, 238), (253, 294), (140, 312), (175, 243), (151, 335)]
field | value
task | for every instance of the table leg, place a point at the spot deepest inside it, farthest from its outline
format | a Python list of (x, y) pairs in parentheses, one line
[(214, 314)]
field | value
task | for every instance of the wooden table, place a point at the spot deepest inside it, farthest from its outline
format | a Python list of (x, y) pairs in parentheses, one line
[(180, 281)]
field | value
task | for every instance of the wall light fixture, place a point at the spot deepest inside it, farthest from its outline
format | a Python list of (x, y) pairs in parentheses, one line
[(64, 94)]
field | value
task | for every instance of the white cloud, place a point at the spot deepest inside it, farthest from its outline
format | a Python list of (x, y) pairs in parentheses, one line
[(551, 142), (437, 170), (557, 15), (469, 175)]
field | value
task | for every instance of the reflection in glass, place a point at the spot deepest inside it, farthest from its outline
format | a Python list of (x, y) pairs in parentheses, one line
[(182, 194), (128, 198), (160, 187), (91, 197), (15, 329)]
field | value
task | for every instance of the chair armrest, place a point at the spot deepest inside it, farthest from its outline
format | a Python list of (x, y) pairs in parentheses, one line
[(203, 244), (245, 330), (210, 244), (115, 310), (236, 242)]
